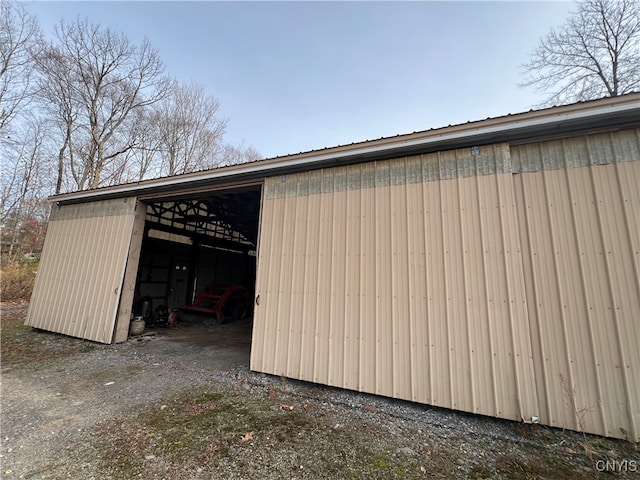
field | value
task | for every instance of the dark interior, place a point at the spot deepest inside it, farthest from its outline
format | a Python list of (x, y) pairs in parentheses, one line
[(196, 250)]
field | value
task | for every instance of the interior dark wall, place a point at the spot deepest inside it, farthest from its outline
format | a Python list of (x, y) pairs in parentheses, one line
[(225, 268), (169, 271), (157, 272)]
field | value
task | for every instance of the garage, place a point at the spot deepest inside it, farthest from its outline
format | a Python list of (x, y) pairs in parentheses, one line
[(488, 267)]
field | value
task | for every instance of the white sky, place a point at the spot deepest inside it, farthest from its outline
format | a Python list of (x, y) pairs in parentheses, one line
[(298, 76)]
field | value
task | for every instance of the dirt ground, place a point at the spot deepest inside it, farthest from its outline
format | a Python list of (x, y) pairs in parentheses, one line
[(182, 404)]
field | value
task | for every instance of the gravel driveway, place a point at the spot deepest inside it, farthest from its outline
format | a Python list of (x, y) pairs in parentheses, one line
[(182, 404)]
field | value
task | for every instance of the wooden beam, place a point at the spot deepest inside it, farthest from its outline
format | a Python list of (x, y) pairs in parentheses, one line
[(121, 330)]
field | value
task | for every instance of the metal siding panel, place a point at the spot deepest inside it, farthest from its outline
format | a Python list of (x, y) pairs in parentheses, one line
[(368, 298), (400, 296), (269, 300), (585, 322), (477, 331), (455, 295), (325, 257), (353, 288), (544, 283), (487, 345), (298, 275), (581, 229), (436, 283), (557, 251), (572, 382), (629, 261), (466, 212), (624, 298), (524, 404), (383, 311), (337, 306), (499, 305), (266, 309), (258, 334), (448, 165), (80, 276), (531, 292), (418, 302), (433, 307), (626, 145), (285, 293), (600, 149), (312, 306)]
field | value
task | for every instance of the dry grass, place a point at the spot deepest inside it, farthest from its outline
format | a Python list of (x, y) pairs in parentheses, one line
[(222, 431), (23, 346), (17, 279)]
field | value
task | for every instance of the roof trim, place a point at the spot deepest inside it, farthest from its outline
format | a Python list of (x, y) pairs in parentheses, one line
[(612, 112)]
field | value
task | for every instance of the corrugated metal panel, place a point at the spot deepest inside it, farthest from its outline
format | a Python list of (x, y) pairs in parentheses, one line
[(80, 276), (447, 280), (396, 278), (581, 247)]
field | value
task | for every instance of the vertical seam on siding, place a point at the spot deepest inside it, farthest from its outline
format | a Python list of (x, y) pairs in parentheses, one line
[(611, 293), (349, 263), (292, 292), (465, 286), (308, 322), (505, 255), (634, 431), (267, 294), (303, 286), (443, 207), (584, 289), (313, 327), (362, 295), (426, 283), (535, 288), (278, 325), (316, 326), (412, 294), (410, 287), (486, 294), (394, 294), (563, 320)]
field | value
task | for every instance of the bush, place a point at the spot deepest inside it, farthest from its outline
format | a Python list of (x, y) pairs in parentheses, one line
[(17, 279)]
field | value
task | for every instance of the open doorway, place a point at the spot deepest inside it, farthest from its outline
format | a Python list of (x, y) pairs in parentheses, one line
[(197, 264)]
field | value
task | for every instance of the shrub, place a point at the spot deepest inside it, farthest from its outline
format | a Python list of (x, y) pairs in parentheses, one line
[(17, 279)]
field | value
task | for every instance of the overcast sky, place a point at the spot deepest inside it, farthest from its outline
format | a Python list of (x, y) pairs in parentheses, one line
[(298, 76)]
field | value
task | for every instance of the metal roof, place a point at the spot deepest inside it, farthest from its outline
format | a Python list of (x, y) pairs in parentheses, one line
[(561, 120)]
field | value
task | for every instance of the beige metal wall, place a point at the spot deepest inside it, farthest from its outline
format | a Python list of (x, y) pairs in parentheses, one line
[(579, 210), (504, 283), (79, 279), (401, 278)]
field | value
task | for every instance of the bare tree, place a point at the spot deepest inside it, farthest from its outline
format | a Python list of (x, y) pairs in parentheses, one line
[(190, 131), (595, 54), (94, 80), (23, 175), (236, 154), (23, 181), (19, 37), (143, 161), (56, 93)]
